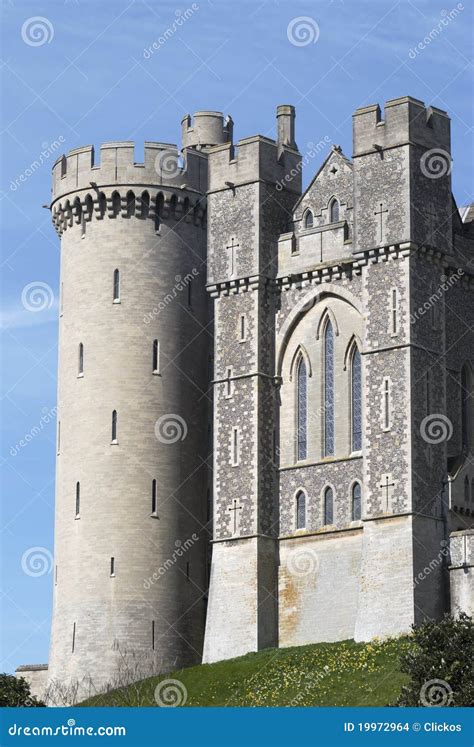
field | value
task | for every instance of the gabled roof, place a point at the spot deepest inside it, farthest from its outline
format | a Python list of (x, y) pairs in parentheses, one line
[(334, 152)]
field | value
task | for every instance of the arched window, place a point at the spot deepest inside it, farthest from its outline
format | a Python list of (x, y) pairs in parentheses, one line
[(130, 204), (77, 209), (466, 489), (302, 408), (80, 364), (153, 496), (145, 207), (334, 211), (102, 204), (356, 400), (308, 219), (89, 207), (159, 202), (156, 357), (328, 506), (78, 498), (329, 390), (466, 406), (172, 206), (116, 286), (114, 427), (116, 204), (356, 501), (300, 510)]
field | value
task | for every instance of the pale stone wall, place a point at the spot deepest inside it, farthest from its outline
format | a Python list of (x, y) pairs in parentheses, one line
[(461, 572), (37, 677)]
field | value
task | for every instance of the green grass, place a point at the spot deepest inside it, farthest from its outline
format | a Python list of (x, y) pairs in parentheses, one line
[(325, 674)]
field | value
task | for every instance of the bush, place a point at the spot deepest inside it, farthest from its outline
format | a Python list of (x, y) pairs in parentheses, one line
[(15, 692), (440, 664)]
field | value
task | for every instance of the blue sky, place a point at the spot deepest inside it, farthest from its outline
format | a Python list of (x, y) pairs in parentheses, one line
[(80, 75)]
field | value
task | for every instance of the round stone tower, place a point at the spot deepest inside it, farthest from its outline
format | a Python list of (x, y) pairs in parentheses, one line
[(133, 440)]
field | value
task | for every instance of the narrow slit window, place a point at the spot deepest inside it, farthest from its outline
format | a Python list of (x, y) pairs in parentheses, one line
[(228, 383), (334, 211), (153, 497), (187, 569), (73, 637), (114, 426), (190, 291), (243, 328), (302, 410), (116, 286), (156, 357), (329, 390), (394, 311), (56, 575), (153, 634), (386, 404), (78, 498), (356, 400), (80, 371), (235, 446), (112, 566)]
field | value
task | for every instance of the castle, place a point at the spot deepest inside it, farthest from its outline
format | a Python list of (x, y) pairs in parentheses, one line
[(285, 378)]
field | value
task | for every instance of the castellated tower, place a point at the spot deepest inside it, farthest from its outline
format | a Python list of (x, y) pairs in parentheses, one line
[(134, 415)]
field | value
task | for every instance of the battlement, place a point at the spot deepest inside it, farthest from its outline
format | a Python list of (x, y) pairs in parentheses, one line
[(206, 129), (163, 165), (406, 120), (254, 158)]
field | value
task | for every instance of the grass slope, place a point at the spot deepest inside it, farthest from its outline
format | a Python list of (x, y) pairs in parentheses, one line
[(325, 674)]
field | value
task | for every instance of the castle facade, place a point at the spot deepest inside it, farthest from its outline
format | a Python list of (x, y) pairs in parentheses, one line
[(266, 411)]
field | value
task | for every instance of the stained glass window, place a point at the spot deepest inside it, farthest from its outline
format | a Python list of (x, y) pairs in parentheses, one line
[(329, 391), (300, 510), (328, 506), (302, 410), (356, 385), (356, 501)]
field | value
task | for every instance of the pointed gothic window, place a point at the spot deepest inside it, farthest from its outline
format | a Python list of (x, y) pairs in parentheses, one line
[(308, 219), (356, 501), (300, 510), (334, 211), (302, 396), (356, 397), (329, 390), (328, 506)]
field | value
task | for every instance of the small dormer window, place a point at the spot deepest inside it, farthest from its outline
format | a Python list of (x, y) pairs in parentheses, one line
[(334, 211), (308, 219)]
